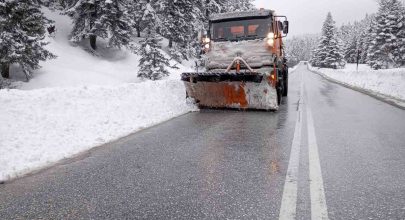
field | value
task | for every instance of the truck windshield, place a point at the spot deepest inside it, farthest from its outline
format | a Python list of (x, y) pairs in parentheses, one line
[(241, 29)]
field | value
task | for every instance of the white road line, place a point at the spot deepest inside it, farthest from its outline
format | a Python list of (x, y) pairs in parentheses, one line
[(288, 208), (319, 209)]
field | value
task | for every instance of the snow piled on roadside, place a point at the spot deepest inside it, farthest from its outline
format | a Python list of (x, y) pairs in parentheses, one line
[(292, 69), (390, 82), (78, 101), (40, 127)]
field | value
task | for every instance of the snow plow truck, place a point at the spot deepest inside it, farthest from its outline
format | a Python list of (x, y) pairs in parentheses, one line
[(244, 61)]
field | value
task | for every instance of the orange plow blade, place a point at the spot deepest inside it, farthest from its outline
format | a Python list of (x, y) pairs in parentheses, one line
[(227, 90)]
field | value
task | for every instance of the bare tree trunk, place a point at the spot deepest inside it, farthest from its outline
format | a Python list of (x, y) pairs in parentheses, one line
[(93, 42), (170, 43), (5, 70), (138, 28)]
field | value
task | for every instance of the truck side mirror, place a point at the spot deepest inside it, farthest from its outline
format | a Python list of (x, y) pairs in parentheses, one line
[(286, 25)]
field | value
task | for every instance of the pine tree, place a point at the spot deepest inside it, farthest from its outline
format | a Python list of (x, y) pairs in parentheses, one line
[(58, 4), (315, 58), (22, 34), (351, 50), (351, 38), (176, 17), (329, 53), (213, 6), (363, 47), (117, 22), (385, 49), (86, 21), (153, 64), (355, 38), (238, 5), (364, 38), (101, 18), (401, 37), (180, 23), (136, 10)]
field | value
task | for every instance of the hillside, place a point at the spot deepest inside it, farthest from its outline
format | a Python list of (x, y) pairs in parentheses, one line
[(76, 66)]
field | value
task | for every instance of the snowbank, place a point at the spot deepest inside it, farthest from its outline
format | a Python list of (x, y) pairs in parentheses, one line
[(40, 127), (388, 83), (292, 69), (79, 101)]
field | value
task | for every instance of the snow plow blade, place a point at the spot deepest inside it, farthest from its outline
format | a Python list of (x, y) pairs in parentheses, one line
[(231, 90)]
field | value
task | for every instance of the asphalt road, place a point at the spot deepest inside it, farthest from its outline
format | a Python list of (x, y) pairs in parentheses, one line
[(344, 153)]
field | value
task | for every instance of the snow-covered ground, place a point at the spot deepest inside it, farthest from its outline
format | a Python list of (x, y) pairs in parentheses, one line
[(79, 101), (75, 66), (40, 127), (388, 83), (292, 69)]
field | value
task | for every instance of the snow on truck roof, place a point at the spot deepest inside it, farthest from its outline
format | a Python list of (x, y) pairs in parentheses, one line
[(244, 14)]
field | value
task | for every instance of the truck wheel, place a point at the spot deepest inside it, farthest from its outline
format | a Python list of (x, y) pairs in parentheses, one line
[(285, 82), (279, 96)]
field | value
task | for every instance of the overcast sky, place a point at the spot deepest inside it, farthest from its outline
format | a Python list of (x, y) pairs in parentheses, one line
[(307, 16)]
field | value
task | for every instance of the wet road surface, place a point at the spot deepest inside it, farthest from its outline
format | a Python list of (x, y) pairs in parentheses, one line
[(344, 153)]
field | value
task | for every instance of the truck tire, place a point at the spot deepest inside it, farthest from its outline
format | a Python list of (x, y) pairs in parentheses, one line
[(279, 97), (285, 82), (279, 94)]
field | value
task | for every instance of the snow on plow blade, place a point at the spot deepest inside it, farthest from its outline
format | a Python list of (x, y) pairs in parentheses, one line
[(231, 90)]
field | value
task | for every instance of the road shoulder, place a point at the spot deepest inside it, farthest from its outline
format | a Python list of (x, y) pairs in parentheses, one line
[(382, 97)]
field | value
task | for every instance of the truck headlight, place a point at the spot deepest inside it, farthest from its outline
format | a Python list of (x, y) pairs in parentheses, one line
[(207, 40), (207, 46), (271, 35), (270, 42)]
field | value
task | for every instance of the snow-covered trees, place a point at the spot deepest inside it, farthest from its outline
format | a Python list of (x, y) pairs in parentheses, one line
[(299, 48), (401, 38), (364, 38), (86, 21), (238, 5), (101, 18), (220, 6), (378, 39), (22, 33), (136, 10), (329, 53), (355, 39), (116, 21), (153, 64), (347, 33), (177, 18), (213, 6), (386, 50)]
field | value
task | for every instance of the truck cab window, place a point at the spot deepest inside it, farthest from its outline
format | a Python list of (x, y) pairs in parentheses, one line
[(242, 29), (237, 31), (252, 29)]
